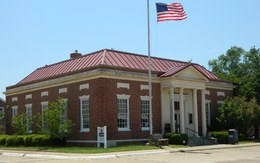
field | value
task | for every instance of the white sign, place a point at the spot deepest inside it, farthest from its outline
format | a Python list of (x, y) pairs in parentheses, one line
[(102, 136)]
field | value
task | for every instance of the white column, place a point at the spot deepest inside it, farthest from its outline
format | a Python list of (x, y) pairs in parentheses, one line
[(204, 125), (195, 112), (182, 121), (172, 110)]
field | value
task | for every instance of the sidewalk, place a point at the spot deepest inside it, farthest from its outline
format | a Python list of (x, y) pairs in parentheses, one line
[(72, 156)]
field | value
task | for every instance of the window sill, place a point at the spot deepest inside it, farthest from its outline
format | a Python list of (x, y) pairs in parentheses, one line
[(84, 130), (145, 129), (124, 129)]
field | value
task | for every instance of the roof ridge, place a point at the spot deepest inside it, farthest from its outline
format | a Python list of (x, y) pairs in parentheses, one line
[(84, 55), (103, 56), (143, 55)]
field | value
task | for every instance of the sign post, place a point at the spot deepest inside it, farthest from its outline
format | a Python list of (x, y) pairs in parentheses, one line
[(102, 136)]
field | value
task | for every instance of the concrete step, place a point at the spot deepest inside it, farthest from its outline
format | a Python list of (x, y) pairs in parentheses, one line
[(194, 141)]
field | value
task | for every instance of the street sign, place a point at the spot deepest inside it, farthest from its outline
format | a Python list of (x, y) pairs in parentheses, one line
[(102, 136)]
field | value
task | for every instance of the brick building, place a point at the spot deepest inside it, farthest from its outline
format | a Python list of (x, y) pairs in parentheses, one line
[(2, 112), (110, 88)]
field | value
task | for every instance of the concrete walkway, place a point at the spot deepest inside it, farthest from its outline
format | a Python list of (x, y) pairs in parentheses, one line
[(72, 156)]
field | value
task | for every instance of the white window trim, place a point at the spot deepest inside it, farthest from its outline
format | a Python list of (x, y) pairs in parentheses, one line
[(45, 93), (63, 90), (207, 92), (16, 110), (85, 97), (28, 106), (125, 97), (145, 98), (123, 85), (144, 87), (29, 96), (14, 99), (221, 94), (44, 103), (84, 86)]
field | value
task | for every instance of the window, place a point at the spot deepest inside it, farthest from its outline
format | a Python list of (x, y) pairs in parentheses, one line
[(14, 111), (2, 114), (84, 114), (29, 117), (207, 107), (123, 122), (190, 118), (220, 103), (176, 105), (44, 106), (145, 113), (64, 111)]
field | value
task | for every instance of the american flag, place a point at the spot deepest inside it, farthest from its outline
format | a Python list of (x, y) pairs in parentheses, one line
[(172, 11)]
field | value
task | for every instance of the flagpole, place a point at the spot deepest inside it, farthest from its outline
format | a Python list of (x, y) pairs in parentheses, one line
[(149, 70)]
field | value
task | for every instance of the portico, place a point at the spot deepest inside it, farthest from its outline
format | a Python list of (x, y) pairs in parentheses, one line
[(183, 102)]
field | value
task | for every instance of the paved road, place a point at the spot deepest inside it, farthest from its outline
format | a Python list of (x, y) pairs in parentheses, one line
[(232, 155)]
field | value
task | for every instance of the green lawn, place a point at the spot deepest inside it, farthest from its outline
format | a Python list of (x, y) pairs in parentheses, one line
[(85, 150)]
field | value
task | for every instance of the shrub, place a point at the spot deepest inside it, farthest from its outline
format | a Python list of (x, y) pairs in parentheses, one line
[(58, 141), (177, 139), (19, 140), (28, 140), (41, 140), (10, 141), (3, 139), (222, 136), (185, 138)]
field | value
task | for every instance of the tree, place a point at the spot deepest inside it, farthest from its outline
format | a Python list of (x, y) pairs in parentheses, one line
[(54, 120), (239, 113), (21, 122), (242, 68), (2, 123)]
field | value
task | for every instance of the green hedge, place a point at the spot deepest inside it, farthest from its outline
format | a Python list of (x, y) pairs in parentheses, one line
[(178, 139), (31, 140), (222, 136), (3, 139)]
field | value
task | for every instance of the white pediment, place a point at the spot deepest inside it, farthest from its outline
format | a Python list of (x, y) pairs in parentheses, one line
[(190, 73)]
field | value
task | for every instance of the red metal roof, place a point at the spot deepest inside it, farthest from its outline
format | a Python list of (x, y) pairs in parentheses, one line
[(113, 59)]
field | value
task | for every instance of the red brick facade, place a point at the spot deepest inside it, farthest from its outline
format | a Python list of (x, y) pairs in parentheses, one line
[(101, 73), (103, 107)]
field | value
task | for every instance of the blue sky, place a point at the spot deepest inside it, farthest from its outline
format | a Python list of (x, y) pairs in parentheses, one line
[(34, 33)]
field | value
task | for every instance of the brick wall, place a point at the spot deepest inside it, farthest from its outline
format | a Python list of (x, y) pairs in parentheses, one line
[(103, 107)]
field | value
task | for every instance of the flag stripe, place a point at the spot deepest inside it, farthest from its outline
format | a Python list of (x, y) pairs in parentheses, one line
[(172, 11)]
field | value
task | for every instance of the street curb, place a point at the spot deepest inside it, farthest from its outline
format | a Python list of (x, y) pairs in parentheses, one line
[(212, 147), (166, 150)]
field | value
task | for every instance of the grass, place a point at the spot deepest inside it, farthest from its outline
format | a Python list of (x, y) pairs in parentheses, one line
[(84, 150), (177, 146), (247, 141)]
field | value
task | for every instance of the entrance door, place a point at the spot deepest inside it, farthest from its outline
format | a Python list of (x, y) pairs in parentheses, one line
[(177, 121), (177, 116)]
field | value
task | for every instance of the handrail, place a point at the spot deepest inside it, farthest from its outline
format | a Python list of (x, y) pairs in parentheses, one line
[(188, 129)]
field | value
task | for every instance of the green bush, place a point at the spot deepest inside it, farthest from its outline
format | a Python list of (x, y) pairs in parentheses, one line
[(185, 138), (11, 141), (222, 136), (3, 139), (177, 139), (41, 140), (20, 140), (58, 141), (28, 140), (32, 140)]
